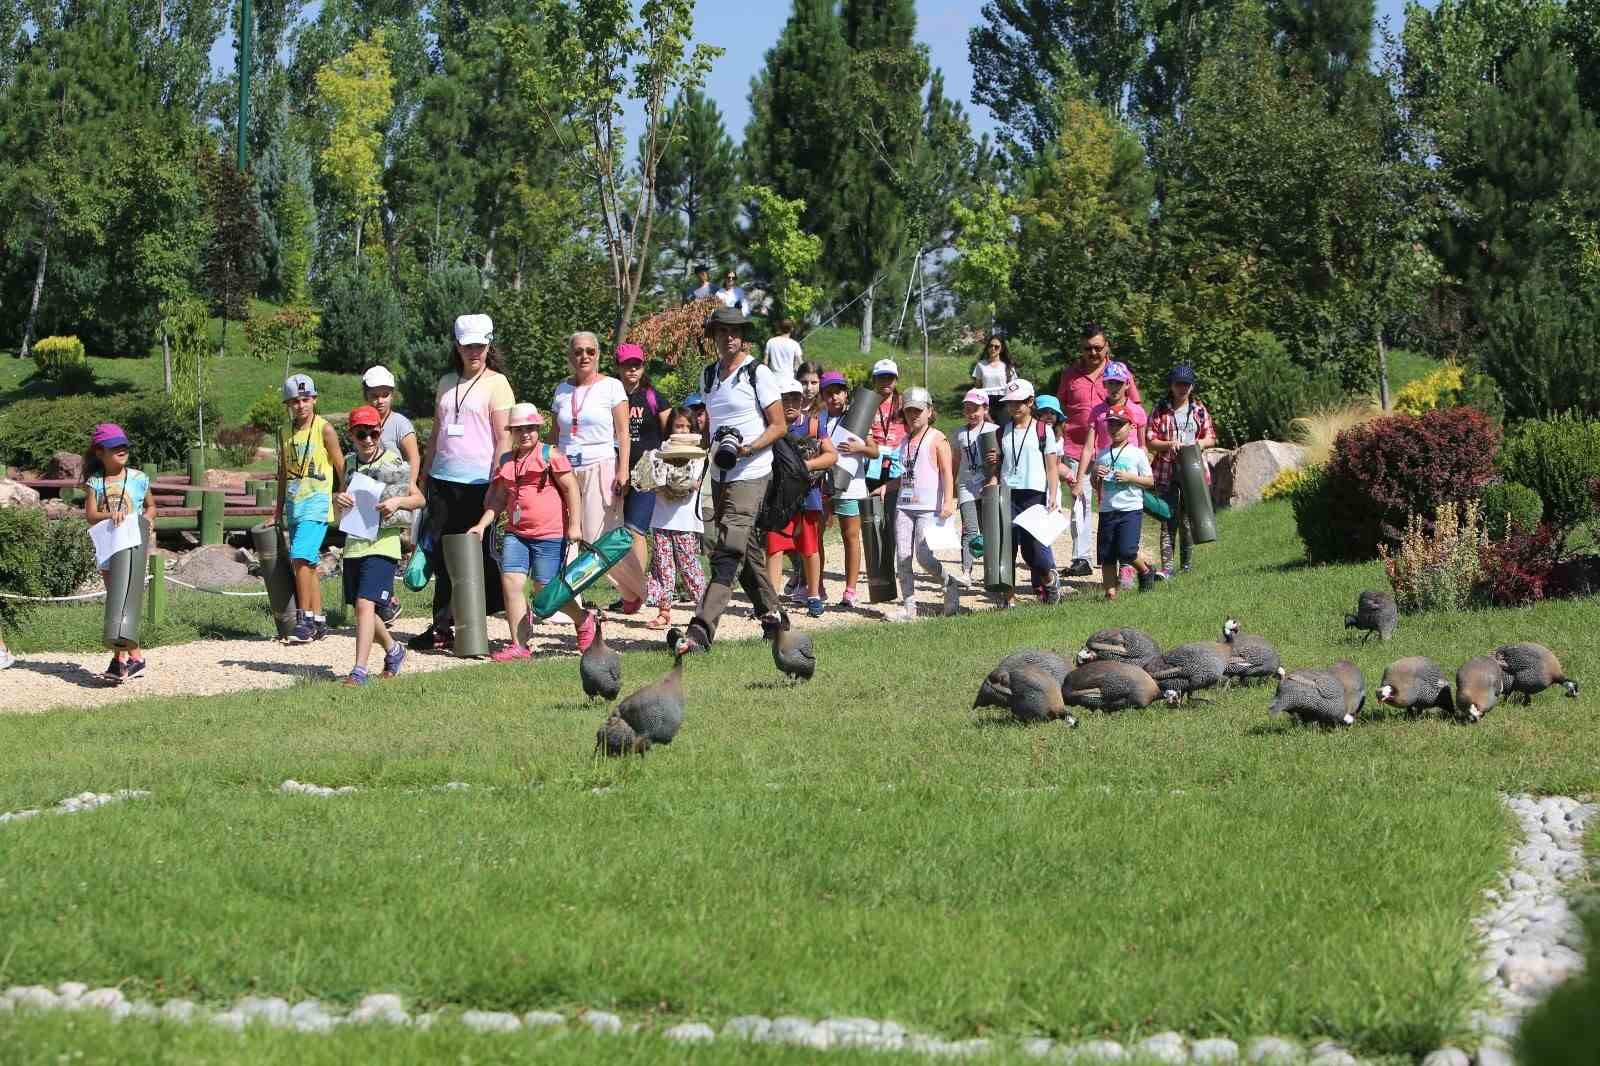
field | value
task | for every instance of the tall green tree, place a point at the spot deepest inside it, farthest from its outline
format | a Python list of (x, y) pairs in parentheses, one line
[(697, 182), (232, 253), (356, 91)]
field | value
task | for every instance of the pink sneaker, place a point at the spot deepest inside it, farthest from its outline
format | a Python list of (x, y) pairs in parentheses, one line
[(586, 630), (849, 598), (511, 653)]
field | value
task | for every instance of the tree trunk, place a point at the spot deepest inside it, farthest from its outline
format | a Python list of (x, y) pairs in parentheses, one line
[(222, 345), (166, 362), (1383, 372), (487, 270), (865, 346), (38, 288), (358, 242)]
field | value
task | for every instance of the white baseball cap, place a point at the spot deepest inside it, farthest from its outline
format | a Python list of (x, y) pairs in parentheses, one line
[(919, 398), (1018, 389), (377, 377), (789, 384), (885, 367), (474, 329)]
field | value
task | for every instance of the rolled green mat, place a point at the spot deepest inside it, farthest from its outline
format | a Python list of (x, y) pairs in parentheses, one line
[(994, 522), (858, 421), (463, 555), (125, 592), (277, 574), (1196, 495), (874, 540)]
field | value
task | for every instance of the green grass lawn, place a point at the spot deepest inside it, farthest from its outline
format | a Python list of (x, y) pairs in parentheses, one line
[(865, 845)]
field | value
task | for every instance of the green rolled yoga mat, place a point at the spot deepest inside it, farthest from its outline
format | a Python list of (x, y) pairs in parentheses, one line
[(994, 522), (125, 592), (277, 574), (463, 556), (1196, 495), (877, 544)]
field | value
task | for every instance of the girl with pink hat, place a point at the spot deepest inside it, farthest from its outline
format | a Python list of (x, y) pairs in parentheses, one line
[(117, 493)]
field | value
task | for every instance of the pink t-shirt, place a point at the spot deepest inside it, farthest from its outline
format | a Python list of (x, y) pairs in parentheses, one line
[(533, 503), (1102, 435), (921, 487), (1078, 392)]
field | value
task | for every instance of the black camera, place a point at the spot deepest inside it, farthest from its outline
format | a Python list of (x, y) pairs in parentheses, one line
[(725, 445)]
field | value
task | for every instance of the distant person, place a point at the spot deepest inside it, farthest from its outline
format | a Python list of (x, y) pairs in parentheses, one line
[(784, 352), (1028, 459), (675, 523), (118, 493), (315, 464), (732, 294), (993, 371), (927, 494), (647, 423), (1180, 418), (972, 474), (1080, 390), (702, 289), (845, 505), (802, 537)]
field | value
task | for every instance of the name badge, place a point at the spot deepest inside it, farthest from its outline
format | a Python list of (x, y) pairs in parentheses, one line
[(455, 429), (575, 454)]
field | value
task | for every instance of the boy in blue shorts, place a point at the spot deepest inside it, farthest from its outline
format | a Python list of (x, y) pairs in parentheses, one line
[(1122, 472), (314, 464)]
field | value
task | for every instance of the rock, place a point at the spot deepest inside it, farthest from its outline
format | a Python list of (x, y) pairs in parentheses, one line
[(212, 567), (1163, 1047), (64, 466), (1094, 1051), (747, 1027), (34, 997), (382, 1001), (490, 1021), (1253, 467), (231, 1020), (1447, 1056), (691, 1033), (602, 1022), (272, 1010), (1337, 1057), (1038, 1047), (1494, 1053), (1216, 1049), (55, 510), (543, 1019), (1272, 1049), (178, 1010), (73, 990), (1219, 461), (799, 1032), (308, 1016), (230, 481), (103, 998)]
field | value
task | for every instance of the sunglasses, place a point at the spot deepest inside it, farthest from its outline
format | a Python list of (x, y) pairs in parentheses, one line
[(367, 434), (586, 351), (524, 429)]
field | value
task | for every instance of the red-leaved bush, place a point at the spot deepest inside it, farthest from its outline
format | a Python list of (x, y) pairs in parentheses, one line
[(1385, 470), (672, 334), (1517, 570)]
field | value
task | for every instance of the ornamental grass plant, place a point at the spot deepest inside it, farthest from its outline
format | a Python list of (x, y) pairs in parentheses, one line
[(1437, 570)]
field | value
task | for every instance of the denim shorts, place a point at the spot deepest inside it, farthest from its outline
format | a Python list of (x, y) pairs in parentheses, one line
[(305, 541), (369, 577), (637, 507), (540, 558), (1118, 538)]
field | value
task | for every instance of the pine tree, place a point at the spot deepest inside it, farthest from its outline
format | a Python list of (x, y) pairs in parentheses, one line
[(1324, 37), (698, 180)]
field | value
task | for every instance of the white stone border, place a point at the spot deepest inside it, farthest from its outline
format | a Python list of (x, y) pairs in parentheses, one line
[(83, 801)]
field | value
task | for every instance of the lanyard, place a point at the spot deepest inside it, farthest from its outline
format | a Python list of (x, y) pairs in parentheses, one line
[(1116, 457), (1025, 433), (886, 422), (468, 396), (579, 401), (974, 438), (301, 466), (911, 460), (122, 494)]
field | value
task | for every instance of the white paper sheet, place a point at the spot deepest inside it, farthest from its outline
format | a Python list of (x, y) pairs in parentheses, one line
[(850, 464), (1045, 526), (362, 520), (111, 538), (943, 534)]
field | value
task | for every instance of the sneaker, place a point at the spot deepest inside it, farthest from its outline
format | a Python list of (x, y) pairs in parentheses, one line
[(118, 670), (133, 668), (1147, 581), (1164, 574), (304, 632), (511, 653), (848, 599), (6, 659), (793, 591), (586, 630), (392, 660), (319, 627), (904, 613), (388, 612), (1125, 576), (432, 639), (357, 678), (1186, 567), (1079, 568), (815, 606)]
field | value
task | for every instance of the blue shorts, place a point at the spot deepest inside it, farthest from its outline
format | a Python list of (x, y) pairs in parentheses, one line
[(305, 541), (370, 577), (637, 508), (847, 508), (538, 557), (1118, 538)]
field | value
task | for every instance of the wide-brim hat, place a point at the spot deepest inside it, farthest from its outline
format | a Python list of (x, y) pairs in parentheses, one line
[(682, 447), (524, 414), (728, 316)]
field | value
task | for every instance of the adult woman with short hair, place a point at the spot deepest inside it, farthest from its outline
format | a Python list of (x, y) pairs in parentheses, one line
[(592, 413), (471, 409)]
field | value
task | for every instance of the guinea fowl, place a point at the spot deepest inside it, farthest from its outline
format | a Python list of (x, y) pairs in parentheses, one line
[(996, 689), (1480, 684), (1036, 697), (1355, 685), (792, 651), (1414, 684), (1533, 668), (616, 737), (1376, 613), (1313, 696), (1253, 658), (655, 712), (1111, 686), (1123, 644), (1190, 667), (600, 667)]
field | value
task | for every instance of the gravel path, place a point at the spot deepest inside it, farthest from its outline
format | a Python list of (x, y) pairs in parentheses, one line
[(44, 681)]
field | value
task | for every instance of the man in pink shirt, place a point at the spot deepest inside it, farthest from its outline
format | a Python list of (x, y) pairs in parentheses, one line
[(1082, 387)]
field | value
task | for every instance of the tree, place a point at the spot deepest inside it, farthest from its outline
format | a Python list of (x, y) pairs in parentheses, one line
[(356, 91), (1326, 38), (697, 179), (986, 240), (231, 254), (597, 53), (783, 251)]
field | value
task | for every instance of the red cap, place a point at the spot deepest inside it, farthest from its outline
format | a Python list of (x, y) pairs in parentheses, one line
[(365, 416)]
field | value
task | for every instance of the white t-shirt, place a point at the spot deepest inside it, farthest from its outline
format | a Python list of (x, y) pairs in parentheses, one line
[(1022, 457), (784, 354), (594, 439), (682, 516), (733, 401), (835, 431), (1124, 459), (970, 470), (1184, 421), (992, 377)]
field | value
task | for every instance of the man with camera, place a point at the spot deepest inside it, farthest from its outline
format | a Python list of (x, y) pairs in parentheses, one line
[(746, 416)]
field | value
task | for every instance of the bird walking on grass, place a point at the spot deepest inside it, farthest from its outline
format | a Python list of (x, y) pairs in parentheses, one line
[(1414, 684), (1376, 612), (655, 712), (996, 689), (1532, 669), (1123, 644), (1481, 683), (1188, 668), (791, 650), (1252, 658), (1035, 696), (600, 667), (1313, 696), (616, 737), (1112, 686)]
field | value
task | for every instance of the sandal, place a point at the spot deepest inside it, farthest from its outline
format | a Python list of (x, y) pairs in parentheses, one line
[(660, 621)]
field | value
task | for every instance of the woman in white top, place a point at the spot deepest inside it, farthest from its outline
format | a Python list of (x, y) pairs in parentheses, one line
[(591, 412), (1029, 461), (972, 474), (927, 492), (993, 371)]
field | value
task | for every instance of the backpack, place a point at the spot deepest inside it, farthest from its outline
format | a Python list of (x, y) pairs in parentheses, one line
[(786, 492), (708, 376)]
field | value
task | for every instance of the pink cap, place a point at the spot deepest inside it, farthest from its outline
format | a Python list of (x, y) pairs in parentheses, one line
[(629, 353), (108, 435), (1116, 371), (977, 396)]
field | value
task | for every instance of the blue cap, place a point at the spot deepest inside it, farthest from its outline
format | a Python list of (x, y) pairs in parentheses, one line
[(298, 385), (1048, 403), (693, 400), (1182, 374)]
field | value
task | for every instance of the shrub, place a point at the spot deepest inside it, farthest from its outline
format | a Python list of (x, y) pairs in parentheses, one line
[(267, 413), (1559, 458), (1541, 344), (62, 360), (33, 430), (1390, 468), (1312, 500), (1273, 391), (287, 335), (362, 322), (418, 373), (1317, 431), (1510, 508), (675, 335), (157, 435), (1430, 392), (531, 326), (39, 557), (1437, 571), (1284, 483), (1516, 570), (439, 299), (236, 448), (67, 557)]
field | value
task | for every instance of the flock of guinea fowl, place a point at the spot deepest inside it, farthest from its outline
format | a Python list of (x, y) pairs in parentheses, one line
[(1124, 667)]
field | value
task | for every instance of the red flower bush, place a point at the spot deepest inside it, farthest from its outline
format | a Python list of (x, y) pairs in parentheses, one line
[(672, 334), (1386, 470), (1517, 570)]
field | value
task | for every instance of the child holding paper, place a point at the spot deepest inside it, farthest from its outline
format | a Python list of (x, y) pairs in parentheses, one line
[(927, 491), (314, 464), (1029, 462), (117, 493), (1122, 473), (370, 565)]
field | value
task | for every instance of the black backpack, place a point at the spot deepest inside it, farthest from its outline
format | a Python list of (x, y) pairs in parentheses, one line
[(786, 492)]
